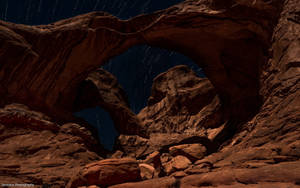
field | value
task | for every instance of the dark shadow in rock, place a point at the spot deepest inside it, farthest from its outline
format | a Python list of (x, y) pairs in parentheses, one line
[(102, 121)]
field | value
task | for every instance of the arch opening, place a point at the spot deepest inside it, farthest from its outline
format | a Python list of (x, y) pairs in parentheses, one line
[(228, 71), (126, 79), (136, 69), (230, 52)]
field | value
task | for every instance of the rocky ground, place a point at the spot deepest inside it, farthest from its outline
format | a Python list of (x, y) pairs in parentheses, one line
[(239, 127)]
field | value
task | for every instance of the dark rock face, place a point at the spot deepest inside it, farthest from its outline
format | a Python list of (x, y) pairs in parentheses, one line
[(102, 89), (244, 125)]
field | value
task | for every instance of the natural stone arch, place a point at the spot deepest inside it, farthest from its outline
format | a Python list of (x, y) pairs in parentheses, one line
[(47, 62)]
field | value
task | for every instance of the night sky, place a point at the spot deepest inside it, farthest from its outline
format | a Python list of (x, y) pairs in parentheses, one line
[(135, 69), (36, 12)]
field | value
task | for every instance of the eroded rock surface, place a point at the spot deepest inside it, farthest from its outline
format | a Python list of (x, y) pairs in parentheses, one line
[(183, 109), (249, 51), (35, 150), (229, 41), (192, 151), (102, 89), (182, 102), (107, 172), (135, 146), (176, 164)]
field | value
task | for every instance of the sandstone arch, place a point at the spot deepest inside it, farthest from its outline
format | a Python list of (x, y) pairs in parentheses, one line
[(41, 66), (268, 143)]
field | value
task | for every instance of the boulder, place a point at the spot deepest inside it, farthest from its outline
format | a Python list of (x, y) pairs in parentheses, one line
[(147, 171), (165, 182), (154, 160), (192, 151), (107, 172), (176, 164)]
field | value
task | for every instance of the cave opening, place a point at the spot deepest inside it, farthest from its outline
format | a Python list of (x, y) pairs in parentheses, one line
[(133, 72)]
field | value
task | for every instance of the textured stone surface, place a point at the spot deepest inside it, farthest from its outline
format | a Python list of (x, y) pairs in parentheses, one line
[(283, 172), (252, 66), (181, 102), (107, 172), (218, 38), (265, 150), (154, 183), (192, 151), (135, 146), (132, 146), (92, 186), (176, 164), (147, 171), (102, 89), (37, 151), (154, 160)]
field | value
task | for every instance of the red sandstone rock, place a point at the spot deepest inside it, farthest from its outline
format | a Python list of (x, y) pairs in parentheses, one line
[(181, 102), (107, 172), (102, 89), (199, 168), (132, 146), (176, 164), (265, 152), (147, 171), (16, 115), (286, 172), (117, 155), (192, 151), (154, 183), (253, 67), (135, 146), (178, 174), (228, 41), (37, 151), (154, 160), (92, 186)]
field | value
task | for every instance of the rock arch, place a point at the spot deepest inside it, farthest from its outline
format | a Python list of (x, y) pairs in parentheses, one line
[(41, 66)]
